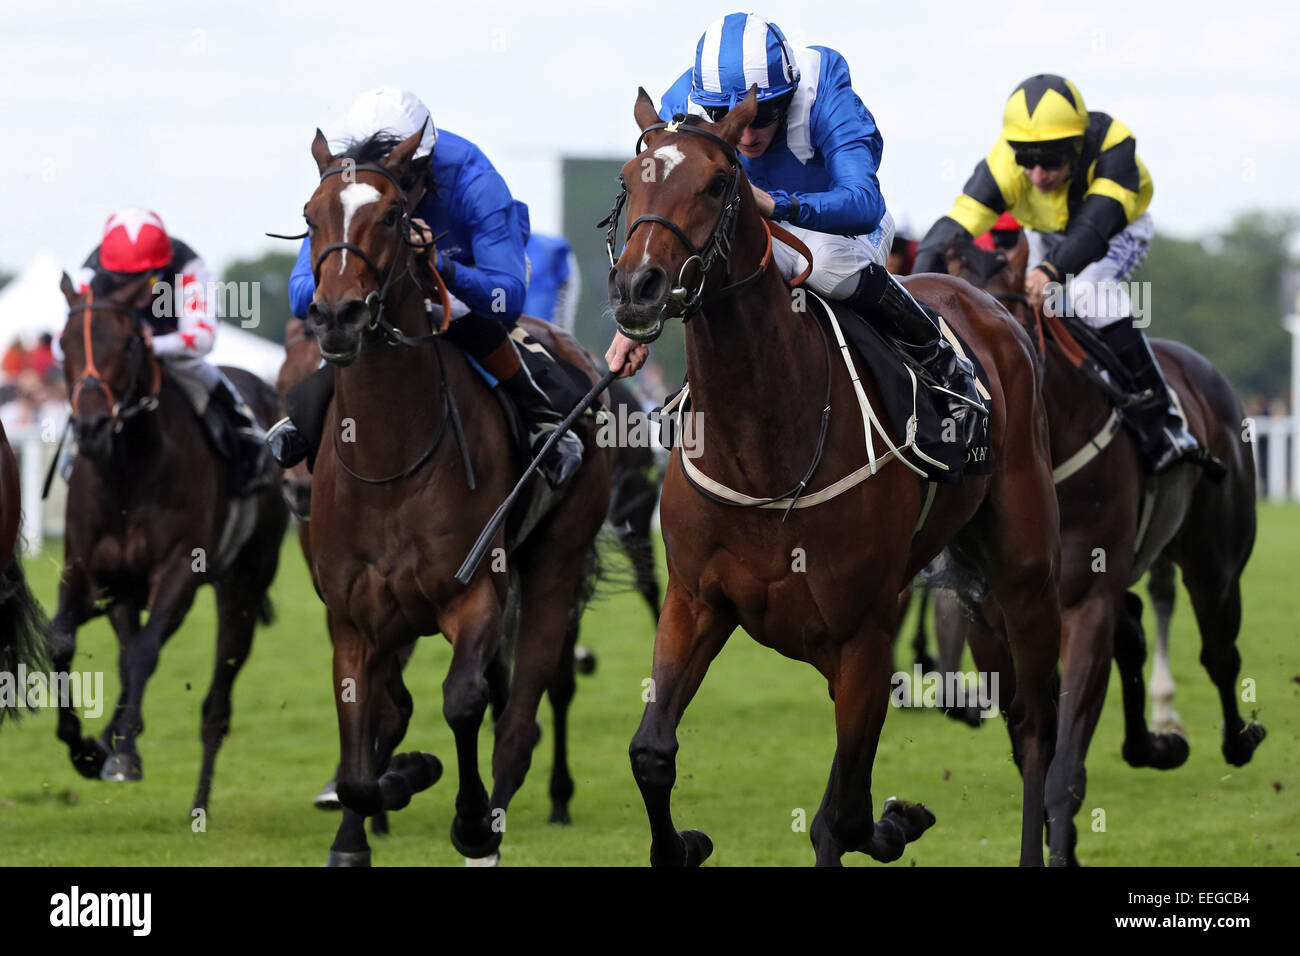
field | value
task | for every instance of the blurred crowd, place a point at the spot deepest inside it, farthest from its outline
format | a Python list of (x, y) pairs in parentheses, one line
[(32, 392)]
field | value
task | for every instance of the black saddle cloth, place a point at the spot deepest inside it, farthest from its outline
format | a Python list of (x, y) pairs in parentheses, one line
[(936, 435)]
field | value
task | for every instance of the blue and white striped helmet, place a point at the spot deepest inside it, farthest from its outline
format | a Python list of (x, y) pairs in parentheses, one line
[(735, 53)]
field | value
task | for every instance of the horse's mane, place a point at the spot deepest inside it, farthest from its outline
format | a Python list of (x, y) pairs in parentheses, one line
[(373, 148), (982, 263)]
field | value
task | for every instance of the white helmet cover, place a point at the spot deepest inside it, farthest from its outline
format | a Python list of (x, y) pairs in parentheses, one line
[(391, 109)]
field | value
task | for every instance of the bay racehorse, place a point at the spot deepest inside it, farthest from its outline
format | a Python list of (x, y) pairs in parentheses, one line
[(819, 584), (24, 628), (394, 512), (1118, 523), (151, 518)]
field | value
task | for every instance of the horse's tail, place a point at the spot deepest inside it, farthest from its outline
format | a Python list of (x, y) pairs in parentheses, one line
[(24, 627)]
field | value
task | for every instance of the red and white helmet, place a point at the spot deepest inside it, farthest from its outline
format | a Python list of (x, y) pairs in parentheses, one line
[(134, 241)]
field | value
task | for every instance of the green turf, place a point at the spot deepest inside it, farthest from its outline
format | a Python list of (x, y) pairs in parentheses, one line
[(755, 749)]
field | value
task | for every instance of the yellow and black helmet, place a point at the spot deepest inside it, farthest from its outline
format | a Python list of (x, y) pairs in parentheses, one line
[(1042, 109)]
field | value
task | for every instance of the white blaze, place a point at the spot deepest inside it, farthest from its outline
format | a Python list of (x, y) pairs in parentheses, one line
[(671, 156), (353, 197)]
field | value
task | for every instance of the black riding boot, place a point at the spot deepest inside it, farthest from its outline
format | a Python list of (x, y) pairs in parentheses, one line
[(1161, 431), (248, 450), (879, 294), (565, 456)]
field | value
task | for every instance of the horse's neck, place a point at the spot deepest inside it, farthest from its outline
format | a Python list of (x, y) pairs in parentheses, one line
[(757, 369)]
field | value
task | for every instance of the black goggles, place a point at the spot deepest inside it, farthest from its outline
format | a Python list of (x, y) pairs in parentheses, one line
[(773, 111), (1027, 157)]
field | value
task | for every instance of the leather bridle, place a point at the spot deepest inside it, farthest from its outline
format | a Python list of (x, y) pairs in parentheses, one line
[(683, 302), (92, 378)]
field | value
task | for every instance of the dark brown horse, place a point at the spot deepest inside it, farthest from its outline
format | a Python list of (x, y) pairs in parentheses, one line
[(24, 627), (1116, 524), (822, 584), (393, 516), (149, 518)]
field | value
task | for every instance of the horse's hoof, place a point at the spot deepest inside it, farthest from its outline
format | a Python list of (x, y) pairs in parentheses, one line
[(89, 760), (698, 846), (1238, 748), (970, 716), (914, 818), (584, 661), (379, 824), (328, 798), (349, 857), (560, 816), (420, 768), (1168, 751), (475, 851), (122, 767), (492, 860)]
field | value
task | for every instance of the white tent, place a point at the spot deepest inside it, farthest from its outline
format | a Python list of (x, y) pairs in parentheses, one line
[(32, 304)]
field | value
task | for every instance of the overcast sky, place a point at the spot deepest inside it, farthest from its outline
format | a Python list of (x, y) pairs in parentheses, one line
[(205, 112)]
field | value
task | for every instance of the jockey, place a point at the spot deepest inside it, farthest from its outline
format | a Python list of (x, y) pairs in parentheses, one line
[(1074, 181), (181, 328), (811, 156), (481, 258), (554, 282)]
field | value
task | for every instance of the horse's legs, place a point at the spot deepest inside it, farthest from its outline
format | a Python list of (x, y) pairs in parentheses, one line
[(544, 647), (1087, 635), (75, 608), (172, 593), (356, 685), (951, 627), (473, 625), (237, 606), (921, 639), (1160, 586), (689, 636), (861, 686), (1142, 748), (126, 621), (561, 690), (1216, 597)]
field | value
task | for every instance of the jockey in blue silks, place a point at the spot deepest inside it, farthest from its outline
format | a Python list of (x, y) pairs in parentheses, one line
[(554, 282), (811, 156), (481, 258)]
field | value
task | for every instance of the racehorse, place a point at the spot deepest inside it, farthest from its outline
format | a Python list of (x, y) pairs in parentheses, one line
[(821, 583), (1116, 524), (24, 628), (150, 518), (393, 513)]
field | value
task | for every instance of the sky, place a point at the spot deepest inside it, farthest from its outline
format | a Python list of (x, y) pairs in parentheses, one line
[(205, 112)]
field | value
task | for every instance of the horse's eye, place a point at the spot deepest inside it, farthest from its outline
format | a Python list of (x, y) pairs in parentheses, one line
[(718, 186), (392, 216)]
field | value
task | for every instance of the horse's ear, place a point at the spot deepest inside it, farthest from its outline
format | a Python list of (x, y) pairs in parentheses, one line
[(645, 113), (397, 161), (320, 151), (68, 289), (732, 126)]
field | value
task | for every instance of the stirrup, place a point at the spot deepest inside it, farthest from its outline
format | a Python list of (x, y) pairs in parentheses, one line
[(286, 443)]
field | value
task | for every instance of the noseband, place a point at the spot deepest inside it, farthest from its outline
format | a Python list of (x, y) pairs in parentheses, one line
[(90, 378), (681, 300)]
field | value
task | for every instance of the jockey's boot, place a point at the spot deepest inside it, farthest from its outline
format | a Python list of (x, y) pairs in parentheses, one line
[(565, 456), (880, 295), (248, 449), (1162, 434), (286, 443)]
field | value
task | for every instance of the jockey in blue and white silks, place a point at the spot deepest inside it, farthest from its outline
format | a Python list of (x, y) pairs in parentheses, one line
[(811, 155), (481, 257)]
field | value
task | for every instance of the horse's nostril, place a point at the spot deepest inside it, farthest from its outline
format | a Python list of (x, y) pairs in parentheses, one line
[(648, 286)]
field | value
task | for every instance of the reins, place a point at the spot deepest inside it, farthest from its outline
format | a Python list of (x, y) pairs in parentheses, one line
[(91, 377)]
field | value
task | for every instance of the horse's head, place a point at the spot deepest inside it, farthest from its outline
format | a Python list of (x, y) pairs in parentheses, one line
[(1000, 273), (684, 193), (359, 226), (110, 372)]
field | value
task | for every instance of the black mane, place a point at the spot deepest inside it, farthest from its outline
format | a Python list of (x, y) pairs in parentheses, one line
[(981, 262), (373, 148)]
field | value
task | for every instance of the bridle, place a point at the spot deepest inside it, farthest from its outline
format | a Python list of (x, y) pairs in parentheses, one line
[(683, 302), (376, 302), (91, 378)]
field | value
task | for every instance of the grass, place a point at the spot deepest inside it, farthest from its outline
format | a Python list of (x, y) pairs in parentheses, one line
[(755, 749)]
